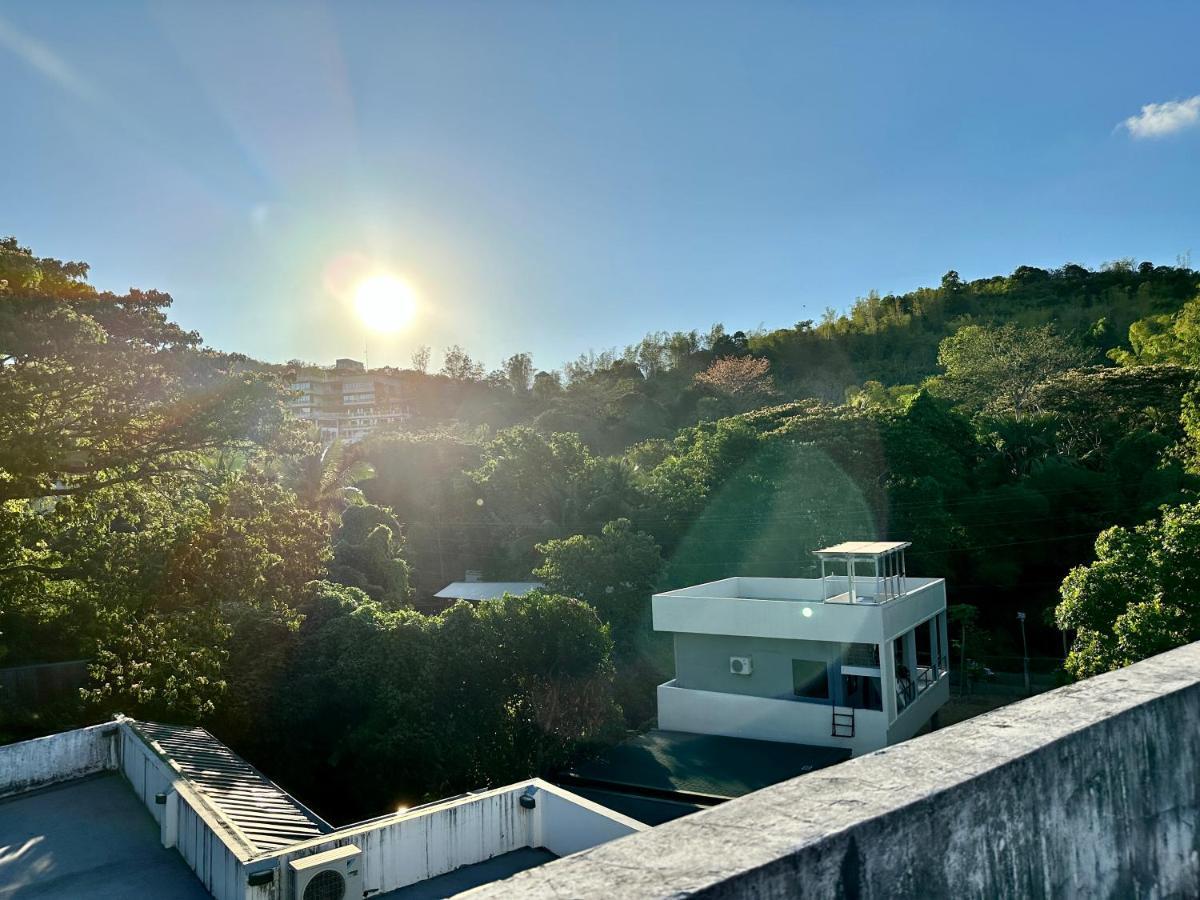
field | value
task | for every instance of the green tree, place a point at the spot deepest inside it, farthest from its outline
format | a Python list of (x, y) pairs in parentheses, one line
[(518, 371), (457, 365), (420, 359), (547, 386), (615, 571), (165, 617), (324, 479), (367, 550), (422, 706), (530, 487), (98, 388), (1164, 338), (998, 367), (1139, 597)]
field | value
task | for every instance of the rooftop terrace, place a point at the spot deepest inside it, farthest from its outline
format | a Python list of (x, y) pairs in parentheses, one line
[(138, 809), (831, 589), (88, 839)]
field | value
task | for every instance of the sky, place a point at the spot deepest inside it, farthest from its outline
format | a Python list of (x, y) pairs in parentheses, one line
[(559, 177)]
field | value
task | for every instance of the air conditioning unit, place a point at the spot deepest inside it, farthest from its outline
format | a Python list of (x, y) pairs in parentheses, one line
[(740, 665), (330, 875)]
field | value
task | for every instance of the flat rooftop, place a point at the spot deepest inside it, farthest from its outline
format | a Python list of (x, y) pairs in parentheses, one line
[(89, 839), (700, 766), (804, 590), (473, 876), (86, 812)]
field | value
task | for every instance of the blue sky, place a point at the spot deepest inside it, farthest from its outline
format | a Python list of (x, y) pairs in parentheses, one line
[(554, 177)]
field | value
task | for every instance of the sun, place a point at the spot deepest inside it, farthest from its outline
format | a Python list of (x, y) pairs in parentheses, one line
[(385, 303)]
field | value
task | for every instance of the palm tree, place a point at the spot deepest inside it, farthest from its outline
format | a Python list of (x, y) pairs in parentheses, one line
[(324, 480)]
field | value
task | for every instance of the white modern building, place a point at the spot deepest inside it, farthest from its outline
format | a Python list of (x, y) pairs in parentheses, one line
[(347, 402), (132, 809), (857, 658)]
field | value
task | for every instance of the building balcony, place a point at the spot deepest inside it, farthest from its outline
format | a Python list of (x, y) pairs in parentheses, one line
[(796, 721), (789, 720), (910, 687)]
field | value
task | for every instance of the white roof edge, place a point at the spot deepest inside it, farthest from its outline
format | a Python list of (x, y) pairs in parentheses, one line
[(483, 590), (863, 548)]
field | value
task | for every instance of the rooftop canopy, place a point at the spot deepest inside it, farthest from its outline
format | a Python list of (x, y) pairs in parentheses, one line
[(863, 548), (886, 581)]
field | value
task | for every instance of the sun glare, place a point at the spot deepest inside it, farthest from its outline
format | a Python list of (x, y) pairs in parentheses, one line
[(385, 303)]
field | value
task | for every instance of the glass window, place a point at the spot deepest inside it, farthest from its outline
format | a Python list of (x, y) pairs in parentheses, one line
[(861, 692), (810, 679)]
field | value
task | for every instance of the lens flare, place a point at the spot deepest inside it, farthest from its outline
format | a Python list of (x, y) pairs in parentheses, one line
[(385, 303)]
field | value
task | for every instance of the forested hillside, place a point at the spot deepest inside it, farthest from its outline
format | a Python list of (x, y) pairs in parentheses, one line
[(165, 519), (616, 398)]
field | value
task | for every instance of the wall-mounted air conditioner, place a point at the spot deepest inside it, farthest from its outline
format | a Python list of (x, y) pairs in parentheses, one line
[(330, 875), (740, 665)]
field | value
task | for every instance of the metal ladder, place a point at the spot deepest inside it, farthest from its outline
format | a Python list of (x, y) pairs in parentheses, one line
[(843, 722)]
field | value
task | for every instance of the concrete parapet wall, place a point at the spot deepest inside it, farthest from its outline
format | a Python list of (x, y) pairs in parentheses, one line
[(1089, 790), (408, 848), (28, 765)]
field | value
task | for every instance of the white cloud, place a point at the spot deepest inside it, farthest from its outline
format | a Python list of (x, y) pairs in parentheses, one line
[(1161, 119)]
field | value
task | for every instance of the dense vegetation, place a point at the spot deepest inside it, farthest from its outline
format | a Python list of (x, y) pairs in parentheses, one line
[(165, 518)]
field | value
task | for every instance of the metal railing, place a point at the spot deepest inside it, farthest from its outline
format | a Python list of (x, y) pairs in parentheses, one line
[(862, 655), (909, 689)]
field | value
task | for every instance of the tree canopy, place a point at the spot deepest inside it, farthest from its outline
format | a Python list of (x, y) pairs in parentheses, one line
[(1139, 597), (98, 388), (164, 517)]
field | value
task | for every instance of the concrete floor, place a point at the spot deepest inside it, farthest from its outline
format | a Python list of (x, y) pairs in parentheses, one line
[(87, 840)]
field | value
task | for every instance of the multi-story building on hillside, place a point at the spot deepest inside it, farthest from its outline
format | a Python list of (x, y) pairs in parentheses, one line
[(347, 402)]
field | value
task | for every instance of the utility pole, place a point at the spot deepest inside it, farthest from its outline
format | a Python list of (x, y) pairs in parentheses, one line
[(1025, 645)]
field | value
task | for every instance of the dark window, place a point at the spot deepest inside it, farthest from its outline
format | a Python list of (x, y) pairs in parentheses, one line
[(861, 692), (809, 679)]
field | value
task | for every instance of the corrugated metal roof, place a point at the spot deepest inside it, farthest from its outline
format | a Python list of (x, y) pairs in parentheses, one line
[(269, 817), (866, 548), (486, 590)]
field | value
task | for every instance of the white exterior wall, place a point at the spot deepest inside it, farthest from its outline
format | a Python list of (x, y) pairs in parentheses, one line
[(902, 614), (412, 847), (765, 719), (791, 721), (185, 822), (791, 609), (774, 614), (914, 716), (568, 823)]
